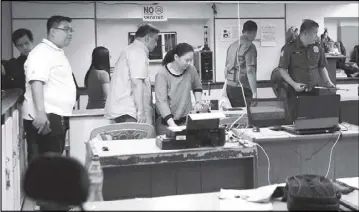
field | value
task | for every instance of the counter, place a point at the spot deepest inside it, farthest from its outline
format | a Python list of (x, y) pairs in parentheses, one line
[(291, 154), (13, 150), (138, 168), (81, 123)]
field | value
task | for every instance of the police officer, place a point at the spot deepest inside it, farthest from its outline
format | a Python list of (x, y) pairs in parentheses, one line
[(302, 62)]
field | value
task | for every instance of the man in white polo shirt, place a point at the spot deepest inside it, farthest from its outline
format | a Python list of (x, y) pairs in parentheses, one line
[(50, 89), (129, 99)]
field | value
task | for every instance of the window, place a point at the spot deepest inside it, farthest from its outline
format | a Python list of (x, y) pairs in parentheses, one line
[(166, 41)]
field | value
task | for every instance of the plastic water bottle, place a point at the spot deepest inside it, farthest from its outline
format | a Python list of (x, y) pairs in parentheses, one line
[(96, 180)]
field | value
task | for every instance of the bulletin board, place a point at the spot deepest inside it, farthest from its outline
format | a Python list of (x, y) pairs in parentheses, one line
[(79, 52), (268, 43)]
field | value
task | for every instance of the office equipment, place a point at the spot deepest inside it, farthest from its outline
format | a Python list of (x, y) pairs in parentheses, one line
[(315, 114), (201, 130), (265, 112), (203, 61)]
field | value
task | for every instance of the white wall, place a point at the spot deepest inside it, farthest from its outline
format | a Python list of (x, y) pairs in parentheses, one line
[(187, 18), (318, 11), (113, 34), (332, 25), (6, 43)]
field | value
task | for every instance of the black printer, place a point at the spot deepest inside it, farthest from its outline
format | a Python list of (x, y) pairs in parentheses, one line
[(201, 130)]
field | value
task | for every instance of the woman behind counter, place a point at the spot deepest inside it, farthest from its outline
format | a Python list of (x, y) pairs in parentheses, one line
[(97, 79), (173, 85)]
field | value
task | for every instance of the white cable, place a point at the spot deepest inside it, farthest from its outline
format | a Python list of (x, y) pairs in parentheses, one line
[(331, 152), (268, 162), (244, 98)]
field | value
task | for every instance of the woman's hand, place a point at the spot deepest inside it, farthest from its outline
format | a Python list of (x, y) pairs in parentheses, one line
[(198, 107)]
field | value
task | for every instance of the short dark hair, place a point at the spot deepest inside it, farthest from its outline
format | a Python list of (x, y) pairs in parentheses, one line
[(250, 26), (55, 20), (146, 29), (308, 25), (19, 33)]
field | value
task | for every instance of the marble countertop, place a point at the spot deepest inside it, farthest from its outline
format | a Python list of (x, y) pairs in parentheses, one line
[(10, 98), (145, 151)]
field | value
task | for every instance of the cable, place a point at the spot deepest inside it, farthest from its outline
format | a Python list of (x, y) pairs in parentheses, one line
[(268, 161), (331, 152), (244, 98)]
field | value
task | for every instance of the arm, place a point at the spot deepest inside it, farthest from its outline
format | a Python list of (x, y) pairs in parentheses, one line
[(105, 81), (284, 65), (138, 73), (162, 104), (251, 63), (37, 71), (196, 86), (323, 72)]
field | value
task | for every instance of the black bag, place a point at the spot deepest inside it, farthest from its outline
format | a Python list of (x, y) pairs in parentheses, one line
[(311, 193)]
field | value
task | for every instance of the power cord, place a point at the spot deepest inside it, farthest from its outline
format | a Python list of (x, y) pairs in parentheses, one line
[(268, 170), (331, 152)]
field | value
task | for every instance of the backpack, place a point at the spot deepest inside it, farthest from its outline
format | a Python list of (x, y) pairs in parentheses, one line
[(311, 193)]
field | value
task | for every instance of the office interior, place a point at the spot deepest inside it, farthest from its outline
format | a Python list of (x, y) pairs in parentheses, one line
[(138, 170)]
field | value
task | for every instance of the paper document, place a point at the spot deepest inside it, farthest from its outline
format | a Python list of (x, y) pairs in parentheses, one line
[(352, 181), (260, 195), (177, 129), (204, 116), (243, 205)]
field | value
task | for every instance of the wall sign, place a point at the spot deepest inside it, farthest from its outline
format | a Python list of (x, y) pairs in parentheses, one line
[(154, 13)]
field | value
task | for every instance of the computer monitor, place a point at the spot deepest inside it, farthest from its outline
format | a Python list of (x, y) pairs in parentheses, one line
[(317, 112), (266, 112)]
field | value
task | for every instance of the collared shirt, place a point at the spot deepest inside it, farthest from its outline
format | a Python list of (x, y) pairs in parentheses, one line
[(48, 63), (303, 63), (15, 73), (133, 63), (240, 54)]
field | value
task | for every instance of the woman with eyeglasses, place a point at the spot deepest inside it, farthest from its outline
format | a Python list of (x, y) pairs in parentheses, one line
[(97, 79)]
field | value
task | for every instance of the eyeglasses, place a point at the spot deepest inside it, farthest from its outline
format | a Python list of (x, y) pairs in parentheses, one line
[(67, 30)]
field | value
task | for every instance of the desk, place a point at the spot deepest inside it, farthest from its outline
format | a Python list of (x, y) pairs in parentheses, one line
[(81, 123), (291, 154), (138, 168), (332, 66), (194, 202)]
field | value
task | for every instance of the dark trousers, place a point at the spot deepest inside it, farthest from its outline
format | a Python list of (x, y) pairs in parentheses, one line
[(290, 104), (235, 95), (38, 144), (125, 118)]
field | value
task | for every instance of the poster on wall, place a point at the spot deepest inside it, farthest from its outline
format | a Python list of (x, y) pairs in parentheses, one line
[(154, 13), (268, 35), (226, 34)]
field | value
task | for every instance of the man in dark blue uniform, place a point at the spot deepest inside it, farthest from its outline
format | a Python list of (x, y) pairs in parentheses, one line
[(14, 73), (302, 63)]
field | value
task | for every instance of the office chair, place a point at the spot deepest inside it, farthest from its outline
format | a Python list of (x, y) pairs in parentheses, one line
[(56, 182)]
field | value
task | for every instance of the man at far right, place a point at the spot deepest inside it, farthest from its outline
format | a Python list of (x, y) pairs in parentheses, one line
[(302, 62)]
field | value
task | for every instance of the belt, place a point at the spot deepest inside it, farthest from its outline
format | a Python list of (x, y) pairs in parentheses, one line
[(178, 122)]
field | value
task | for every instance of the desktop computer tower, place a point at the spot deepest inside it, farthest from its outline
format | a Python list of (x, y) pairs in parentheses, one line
[(203, 61)]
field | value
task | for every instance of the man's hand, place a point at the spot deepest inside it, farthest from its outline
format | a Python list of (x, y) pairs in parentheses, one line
[(330, 85), (141, 118), (42, 123), (254, 100), (299, 87)]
